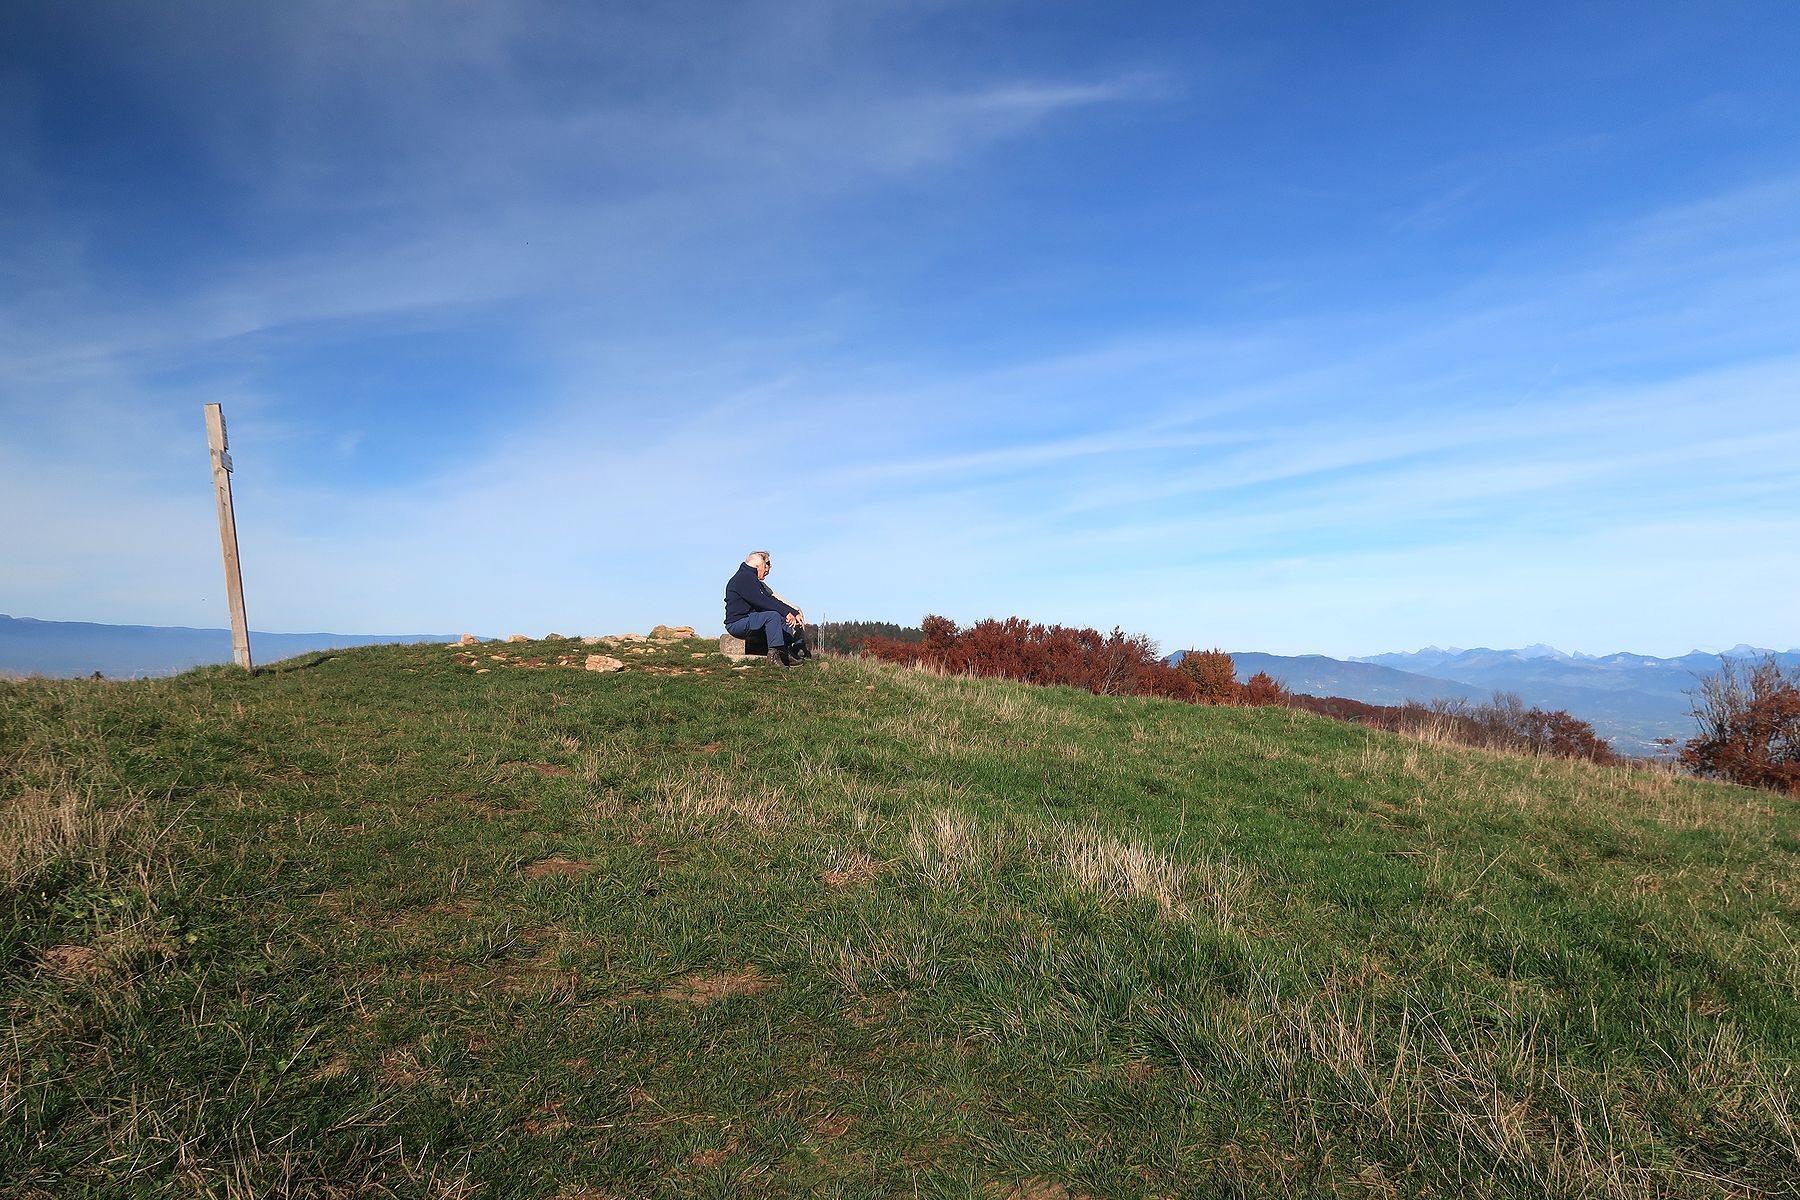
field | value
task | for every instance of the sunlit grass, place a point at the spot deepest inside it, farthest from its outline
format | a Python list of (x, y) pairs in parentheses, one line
[(374, 923)]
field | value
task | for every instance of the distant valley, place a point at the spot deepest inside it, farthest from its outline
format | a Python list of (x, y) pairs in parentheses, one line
[(67, 649), (1630, 699)]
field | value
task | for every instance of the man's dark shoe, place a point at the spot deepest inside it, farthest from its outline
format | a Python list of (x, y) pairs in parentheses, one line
[(781, 658)]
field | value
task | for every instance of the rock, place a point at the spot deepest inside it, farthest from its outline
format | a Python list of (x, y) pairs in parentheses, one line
[(672, 631), (603, 662), (737, 648), (468, 639), (596, 641), (517, 637)]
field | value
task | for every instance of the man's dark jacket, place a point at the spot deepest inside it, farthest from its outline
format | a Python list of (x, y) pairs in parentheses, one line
[(745, 594)]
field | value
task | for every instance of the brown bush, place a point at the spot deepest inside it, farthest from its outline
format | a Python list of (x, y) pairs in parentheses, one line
[(1107, 664), (1214, 676), (1503, 723), (1262, 691), (1749, 719)]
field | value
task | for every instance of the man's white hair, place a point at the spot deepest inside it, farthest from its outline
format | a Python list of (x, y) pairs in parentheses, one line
[(756, 554)]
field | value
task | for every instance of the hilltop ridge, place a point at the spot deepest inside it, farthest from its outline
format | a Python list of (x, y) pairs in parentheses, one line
[(67, 649), (859, 929)]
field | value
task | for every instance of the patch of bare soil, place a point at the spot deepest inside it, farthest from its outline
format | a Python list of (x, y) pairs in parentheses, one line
[(704, 989), (533, 972), (1138, 1070), (547, 1121), (339, 1065), (535, 977), (1041, 1189), (556, 864), (415, 917), (73, 962), (402, 1068), (492, 805), (548, 770), (851, 870), (832, 1128), (871, 1010)]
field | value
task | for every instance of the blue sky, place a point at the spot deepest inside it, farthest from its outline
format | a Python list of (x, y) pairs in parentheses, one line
[(1303, 327)]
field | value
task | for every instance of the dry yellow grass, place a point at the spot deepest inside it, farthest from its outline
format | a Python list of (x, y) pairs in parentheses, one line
[(39, 826), (946, 844), (701, 797), (1111, 866)]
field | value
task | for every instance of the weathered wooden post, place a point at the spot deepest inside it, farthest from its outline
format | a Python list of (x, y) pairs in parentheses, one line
[(228, 543)]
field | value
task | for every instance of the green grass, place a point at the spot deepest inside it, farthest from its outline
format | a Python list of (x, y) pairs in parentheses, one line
[(373, 924)]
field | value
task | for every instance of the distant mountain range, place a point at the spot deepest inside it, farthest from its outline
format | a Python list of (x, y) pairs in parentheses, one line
[(65, 649), (1630, 699)]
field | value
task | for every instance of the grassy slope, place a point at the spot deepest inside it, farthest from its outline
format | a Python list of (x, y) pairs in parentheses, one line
[(851, 930)]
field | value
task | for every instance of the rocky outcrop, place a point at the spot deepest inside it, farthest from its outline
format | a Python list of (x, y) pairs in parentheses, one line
[(666, 650)]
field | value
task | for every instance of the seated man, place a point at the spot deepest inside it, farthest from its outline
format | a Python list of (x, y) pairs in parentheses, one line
[(751, 606)]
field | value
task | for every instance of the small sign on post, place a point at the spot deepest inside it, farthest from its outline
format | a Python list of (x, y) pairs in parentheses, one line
[(234, 578)]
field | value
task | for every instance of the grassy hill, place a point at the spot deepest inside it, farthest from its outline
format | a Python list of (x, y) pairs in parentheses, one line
[(420, 922)]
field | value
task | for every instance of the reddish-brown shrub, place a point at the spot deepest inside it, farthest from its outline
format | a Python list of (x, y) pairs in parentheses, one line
[(1214, 676), (1107, 664), (1561, 735), (1504, 723), (1262, 691), (1342, 708), (1749, 727)]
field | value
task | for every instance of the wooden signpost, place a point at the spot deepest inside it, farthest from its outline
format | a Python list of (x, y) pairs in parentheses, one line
[(234, 578)]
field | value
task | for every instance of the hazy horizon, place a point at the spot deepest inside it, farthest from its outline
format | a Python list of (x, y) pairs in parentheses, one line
[(912, 623)]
